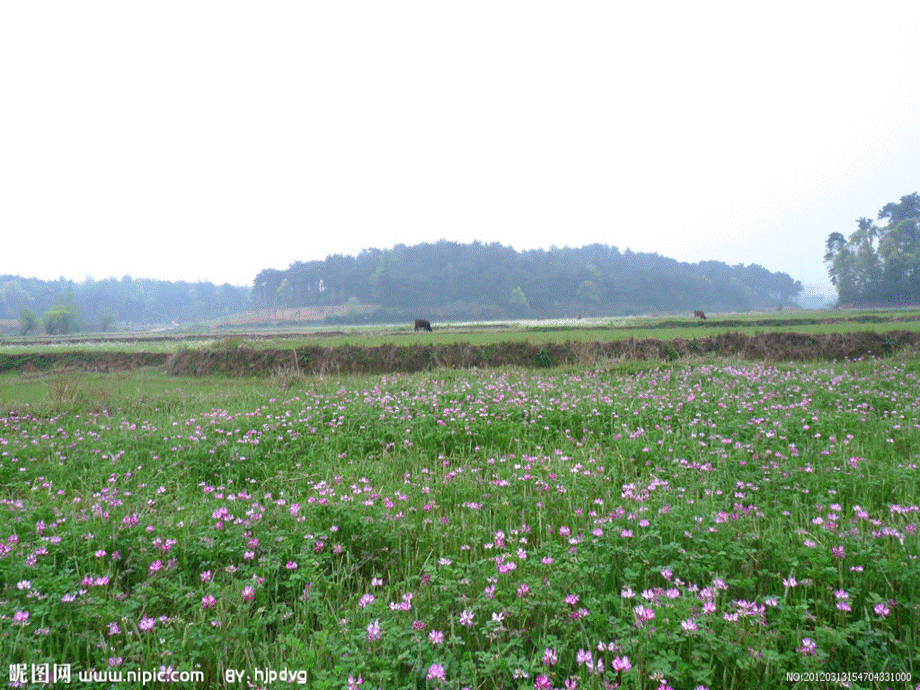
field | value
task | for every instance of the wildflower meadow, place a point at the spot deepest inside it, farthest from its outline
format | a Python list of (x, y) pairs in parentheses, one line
[(710, 525)]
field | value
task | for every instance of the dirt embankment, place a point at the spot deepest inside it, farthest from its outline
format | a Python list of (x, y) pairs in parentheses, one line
[(86, 361), (353, 359)]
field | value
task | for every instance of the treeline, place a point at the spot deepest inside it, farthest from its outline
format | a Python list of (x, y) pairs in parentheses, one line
[(452, 281), (444, 281), (879, 265), (61, 306)]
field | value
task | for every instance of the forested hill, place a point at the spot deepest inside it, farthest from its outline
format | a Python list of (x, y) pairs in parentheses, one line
[(444, 281), (447, 280)]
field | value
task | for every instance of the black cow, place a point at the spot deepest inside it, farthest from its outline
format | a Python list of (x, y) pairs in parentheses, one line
[(421, 324), (699, 315)]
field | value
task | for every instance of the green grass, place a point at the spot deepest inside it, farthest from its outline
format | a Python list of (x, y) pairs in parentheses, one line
[(485, 334), (496, 526)]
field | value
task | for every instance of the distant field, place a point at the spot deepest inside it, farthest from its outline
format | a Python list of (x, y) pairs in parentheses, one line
[(485, 333)]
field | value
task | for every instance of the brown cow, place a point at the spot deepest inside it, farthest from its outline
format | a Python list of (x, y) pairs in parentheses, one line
[(421, 324), (699, 314)]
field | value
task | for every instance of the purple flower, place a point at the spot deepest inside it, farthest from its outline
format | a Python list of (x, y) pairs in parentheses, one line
[(808, 647), (643, 615), (373, 631), (436, 671), (549, 657), (621, 664), (146, 623), (542, 683)]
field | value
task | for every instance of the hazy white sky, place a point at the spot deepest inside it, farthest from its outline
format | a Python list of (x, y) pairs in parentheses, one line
[(209, 140)]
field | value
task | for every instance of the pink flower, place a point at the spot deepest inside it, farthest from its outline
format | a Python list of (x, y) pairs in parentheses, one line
[(21, 617), (643, 615), (436, 671), (621, 664), (206, 576), (436, 637), (248, 593), (208, 602), (373, 631), (114, 629), (882, 610), (146, 623), (808, 647), (466, 618), (292, 565), (549, 657)]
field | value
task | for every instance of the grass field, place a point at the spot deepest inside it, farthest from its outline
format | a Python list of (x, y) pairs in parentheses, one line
[(538, 332), (719, 525)]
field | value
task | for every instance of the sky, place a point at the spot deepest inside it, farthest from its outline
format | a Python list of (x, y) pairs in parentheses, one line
[(198, 140)]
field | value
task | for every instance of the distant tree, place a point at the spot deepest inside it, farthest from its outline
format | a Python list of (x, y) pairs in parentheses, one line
[(353, 307), (13, 297), (879, 265), (518, 300), (588, 291), (27, 321), (64, 315), (60, 319), (285, 293), (107, 321)]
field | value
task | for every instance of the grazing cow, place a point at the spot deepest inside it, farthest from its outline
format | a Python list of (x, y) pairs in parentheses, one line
[(699, 314), (422, 325)]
